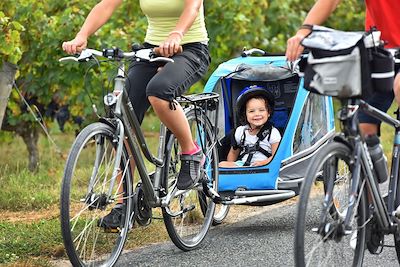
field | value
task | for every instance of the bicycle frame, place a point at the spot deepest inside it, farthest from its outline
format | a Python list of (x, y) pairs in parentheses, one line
[(118, 147), (386, 214), (126, 117)]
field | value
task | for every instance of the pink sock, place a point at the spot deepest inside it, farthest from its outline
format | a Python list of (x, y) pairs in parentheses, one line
[(193, 151)]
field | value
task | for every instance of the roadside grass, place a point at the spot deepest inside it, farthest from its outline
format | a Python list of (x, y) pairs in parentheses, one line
[(30, 232), (39, 243)]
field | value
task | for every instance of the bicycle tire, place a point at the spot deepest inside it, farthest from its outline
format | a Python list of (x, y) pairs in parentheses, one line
[(83, 198), (319, 239), (190, 213), (221, 211)]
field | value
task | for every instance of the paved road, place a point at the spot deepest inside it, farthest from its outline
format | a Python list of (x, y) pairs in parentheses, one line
[(262, 240)]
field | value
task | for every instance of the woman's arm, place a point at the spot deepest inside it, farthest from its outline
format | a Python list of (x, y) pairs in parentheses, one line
[(318, 14), (97, 17), (190, 11)]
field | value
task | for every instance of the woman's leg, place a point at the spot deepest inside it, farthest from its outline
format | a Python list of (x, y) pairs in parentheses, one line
[(396, 88), (172, 81), (175, 120)]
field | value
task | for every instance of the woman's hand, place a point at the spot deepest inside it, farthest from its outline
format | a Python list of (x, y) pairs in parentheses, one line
[(294, 47), (76, 45), (171, 46)]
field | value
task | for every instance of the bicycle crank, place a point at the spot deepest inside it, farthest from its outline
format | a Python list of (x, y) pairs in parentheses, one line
[(143, 211)]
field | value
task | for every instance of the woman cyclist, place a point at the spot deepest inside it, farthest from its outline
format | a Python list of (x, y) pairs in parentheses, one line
[(170, 26)]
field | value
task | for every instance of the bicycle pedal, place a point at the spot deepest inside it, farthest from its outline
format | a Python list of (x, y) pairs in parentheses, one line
[(112, 230)]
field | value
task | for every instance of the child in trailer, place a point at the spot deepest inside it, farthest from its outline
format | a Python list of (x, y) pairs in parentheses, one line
[(256, 141)]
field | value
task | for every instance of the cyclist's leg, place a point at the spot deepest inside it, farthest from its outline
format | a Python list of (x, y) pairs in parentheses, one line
[(113, 219), (370, 125), (171, 81), (396, 86), (175, 121), (139, 75)]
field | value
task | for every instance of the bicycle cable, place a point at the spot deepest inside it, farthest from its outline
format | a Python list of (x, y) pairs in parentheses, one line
[(96, 62)]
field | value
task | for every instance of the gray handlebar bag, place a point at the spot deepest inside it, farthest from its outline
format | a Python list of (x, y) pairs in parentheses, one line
[(338, 63)]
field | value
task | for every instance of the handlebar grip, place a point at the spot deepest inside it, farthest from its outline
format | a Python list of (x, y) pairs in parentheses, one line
[(157, 50), (136, 47)]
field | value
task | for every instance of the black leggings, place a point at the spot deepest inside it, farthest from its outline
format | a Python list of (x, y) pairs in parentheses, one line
[(172, 80)]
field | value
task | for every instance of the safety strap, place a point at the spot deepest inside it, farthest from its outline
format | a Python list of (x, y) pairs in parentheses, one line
[(265, 132)]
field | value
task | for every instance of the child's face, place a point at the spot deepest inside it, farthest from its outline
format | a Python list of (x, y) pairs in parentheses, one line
[(256, 112)]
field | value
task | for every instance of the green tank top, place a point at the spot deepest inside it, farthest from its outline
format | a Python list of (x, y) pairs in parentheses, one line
[(162, 17)]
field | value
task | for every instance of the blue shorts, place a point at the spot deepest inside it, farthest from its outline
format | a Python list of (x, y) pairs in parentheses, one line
[(381, 101)]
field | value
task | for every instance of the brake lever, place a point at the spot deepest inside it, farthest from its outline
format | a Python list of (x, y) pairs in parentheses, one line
[(68, 59), (85, 55)]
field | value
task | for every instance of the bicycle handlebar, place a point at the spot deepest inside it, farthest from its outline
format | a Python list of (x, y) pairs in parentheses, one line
[(145, 54)]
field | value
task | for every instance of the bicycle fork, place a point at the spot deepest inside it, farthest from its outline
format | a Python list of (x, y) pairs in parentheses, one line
[(364, 166)]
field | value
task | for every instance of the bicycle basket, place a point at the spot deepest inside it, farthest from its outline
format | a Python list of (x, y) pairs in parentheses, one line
[(338, 64)]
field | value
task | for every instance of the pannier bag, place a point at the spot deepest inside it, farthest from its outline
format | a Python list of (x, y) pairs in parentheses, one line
[(382, 70), (346, 64)]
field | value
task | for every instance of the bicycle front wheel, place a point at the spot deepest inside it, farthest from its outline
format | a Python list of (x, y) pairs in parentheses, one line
[(88, 194), (190, 212), (221, 211), (320, 237)]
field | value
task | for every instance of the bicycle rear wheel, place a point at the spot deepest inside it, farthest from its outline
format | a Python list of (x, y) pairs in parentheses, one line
[(190, 212), (320, 239), (87, 196)]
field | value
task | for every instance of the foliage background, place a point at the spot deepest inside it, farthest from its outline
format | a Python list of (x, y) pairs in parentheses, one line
[(34, 30)]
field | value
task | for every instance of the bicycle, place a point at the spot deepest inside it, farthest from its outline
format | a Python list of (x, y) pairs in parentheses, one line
[(341, 210), (99, 173)]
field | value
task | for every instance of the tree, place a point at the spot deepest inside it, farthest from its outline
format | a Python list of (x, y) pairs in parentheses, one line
[(10, 49), (37, 50)]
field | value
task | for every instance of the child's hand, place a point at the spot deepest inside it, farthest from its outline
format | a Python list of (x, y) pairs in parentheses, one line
[(257, 163), (261, 163)]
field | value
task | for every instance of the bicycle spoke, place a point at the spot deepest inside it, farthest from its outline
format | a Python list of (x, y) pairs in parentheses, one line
[(189, 214), (321, 238)]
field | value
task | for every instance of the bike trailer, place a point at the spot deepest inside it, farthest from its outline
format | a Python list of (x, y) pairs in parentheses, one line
[(305, 121)]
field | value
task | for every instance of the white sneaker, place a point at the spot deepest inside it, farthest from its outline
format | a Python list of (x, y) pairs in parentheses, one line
[(353, 240)]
